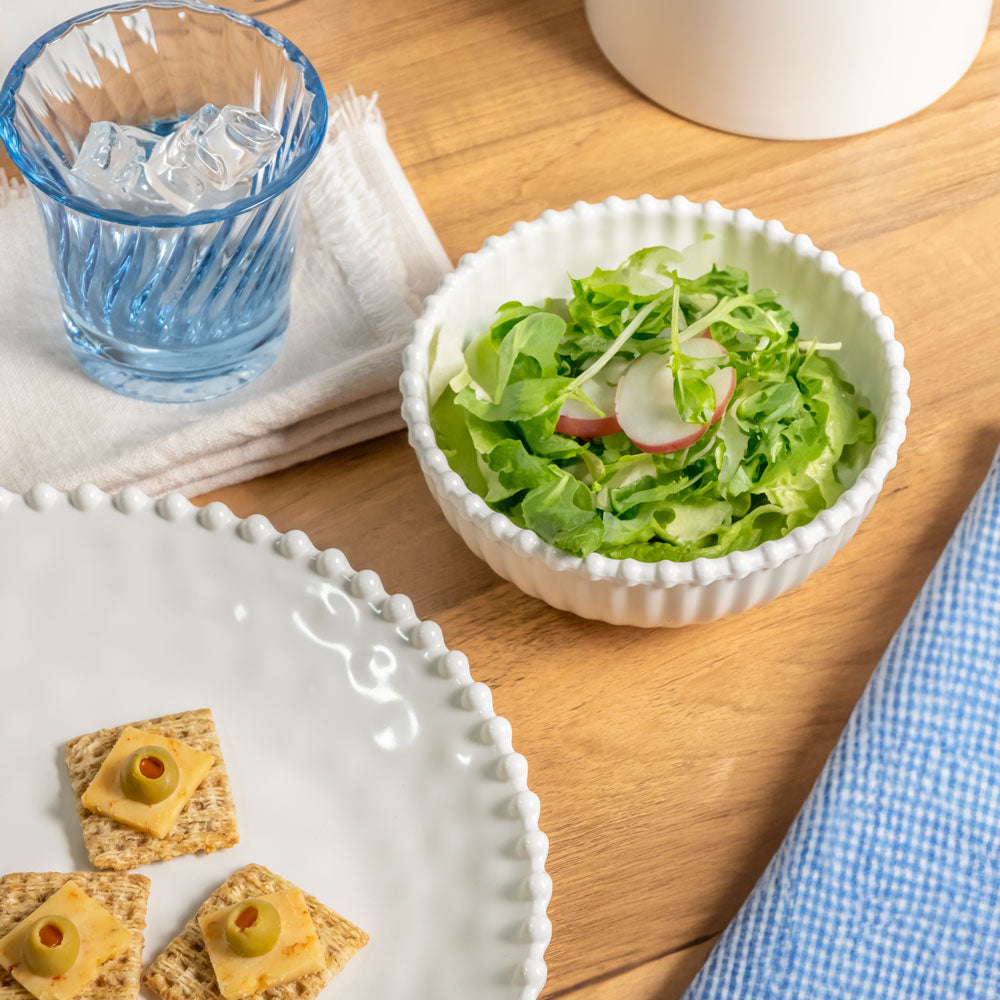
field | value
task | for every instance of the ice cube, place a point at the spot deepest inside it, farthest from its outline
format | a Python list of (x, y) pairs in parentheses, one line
[(211, 157), (109, 169)]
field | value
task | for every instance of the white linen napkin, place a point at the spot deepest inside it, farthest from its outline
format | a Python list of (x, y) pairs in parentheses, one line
[(366, 258)]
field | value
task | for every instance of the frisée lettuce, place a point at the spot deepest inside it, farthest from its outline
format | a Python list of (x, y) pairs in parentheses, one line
[(790, 438)]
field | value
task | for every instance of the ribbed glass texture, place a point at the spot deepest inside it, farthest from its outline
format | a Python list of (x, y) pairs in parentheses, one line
[(165, 307)]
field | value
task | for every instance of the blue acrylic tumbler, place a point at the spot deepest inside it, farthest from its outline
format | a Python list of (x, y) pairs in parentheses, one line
[(166, 307)]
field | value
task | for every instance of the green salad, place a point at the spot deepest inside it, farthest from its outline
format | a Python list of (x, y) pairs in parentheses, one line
[(652, 416)]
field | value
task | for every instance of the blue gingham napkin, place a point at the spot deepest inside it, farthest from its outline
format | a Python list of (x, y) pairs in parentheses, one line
[(887, 886)]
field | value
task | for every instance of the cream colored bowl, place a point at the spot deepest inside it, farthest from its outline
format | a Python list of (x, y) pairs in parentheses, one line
[(533, 261)]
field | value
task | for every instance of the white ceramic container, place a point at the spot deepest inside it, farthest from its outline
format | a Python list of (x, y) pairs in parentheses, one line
[(791, 69), (531, 262)]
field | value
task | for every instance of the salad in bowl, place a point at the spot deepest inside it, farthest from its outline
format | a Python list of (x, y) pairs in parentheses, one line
[(651, 416)]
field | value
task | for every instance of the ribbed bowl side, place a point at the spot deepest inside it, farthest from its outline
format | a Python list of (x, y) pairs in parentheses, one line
[(646, 605)]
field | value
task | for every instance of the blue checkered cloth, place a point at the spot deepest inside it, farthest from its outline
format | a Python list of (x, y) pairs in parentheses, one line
[(887, 885)]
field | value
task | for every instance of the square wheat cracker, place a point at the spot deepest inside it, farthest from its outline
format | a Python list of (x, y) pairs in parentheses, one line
[(124, 894), (184, 970), (207, 822)]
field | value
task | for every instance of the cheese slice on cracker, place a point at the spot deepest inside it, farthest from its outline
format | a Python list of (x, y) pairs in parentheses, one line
[(185, 971), (297, 952), (104, 794), (102, 938), (206, 822)]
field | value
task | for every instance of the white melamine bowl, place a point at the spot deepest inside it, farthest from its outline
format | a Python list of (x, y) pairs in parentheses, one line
[(533, 261)]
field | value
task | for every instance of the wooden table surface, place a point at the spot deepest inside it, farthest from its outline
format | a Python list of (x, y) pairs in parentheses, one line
[(669, 763)]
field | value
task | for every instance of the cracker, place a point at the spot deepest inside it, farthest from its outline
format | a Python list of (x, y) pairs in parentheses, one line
[(184, 970), (206, 823), (123, 894)]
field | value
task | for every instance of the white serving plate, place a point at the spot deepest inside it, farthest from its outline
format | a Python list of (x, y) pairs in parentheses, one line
[(366, 764)]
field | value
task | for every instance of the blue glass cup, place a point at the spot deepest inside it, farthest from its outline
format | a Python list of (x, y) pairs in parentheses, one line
[(166, 307)]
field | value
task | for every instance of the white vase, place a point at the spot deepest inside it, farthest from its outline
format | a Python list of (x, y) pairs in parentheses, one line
[(791, 69)]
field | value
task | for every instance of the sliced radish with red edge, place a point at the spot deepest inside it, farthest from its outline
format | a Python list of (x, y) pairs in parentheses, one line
[(577, 420), (645, 404)]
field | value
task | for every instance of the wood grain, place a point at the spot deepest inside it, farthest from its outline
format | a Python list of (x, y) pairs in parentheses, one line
[(651, 980), (669, 763)]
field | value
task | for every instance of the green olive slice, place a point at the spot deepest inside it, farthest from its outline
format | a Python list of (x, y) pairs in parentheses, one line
[(51, 946), (253, 927), (150, 775)]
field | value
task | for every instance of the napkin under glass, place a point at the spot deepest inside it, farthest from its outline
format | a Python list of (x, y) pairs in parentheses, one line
[(366, 258), (887, 885)]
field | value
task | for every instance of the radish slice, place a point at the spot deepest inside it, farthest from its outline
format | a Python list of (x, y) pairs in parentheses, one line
[(646, 411), (578, 420), (645, 400)]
